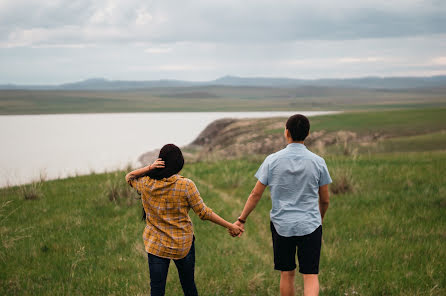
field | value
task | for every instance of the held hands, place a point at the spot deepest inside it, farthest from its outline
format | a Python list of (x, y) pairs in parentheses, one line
[(236, 230), (157, 164)]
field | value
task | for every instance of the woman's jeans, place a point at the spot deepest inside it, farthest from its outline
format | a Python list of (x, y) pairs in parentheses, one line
[(160, 266)]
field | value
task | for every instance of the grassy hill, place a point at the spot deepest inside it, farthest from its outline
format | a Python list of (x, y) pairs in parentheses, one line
[(384, 233), (344, 133)]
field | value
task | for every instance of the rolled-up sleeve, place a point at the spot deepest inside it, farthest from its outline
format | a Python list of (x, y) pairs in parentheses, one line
[(196, 202)]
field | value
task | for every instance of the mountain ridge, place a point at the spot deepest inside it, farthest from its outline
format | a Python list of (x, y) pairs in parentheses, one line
[(369, 82)]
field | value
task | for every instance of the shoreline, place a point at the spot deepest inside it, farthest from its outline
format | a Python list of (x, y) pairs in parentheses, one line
[(76, 144), (351, 134)]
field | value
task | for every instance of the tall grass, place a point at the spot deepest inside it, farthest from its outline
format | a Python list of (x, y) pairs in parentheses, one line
[(32, 191), (343, 181), (118, 191)]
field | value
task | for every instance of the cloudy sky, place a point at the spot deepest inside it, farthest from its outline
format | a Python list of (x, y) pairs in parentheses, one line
[(59, 41)]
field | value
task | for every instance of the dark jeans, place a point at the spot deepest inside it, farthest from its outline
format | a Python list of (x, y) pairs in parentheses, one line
[(160, 266)]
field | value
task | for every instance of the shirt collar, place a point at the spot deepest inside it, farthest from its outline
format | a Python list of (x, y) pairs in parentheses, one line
[(296, 145), (172, 178)]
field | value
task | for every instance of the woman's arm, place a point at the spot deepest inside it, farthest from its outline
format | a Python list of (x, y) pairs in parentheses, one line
[(204, 213), (234, 230), (139, 172)]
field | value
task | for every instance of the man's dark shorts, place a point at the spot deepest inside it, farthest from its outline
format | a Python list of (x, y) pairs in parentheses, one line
[(308, 251)]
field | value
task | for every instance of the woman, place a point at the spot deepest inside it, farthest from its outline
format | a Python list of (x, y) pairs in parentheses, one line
[(167, 198)]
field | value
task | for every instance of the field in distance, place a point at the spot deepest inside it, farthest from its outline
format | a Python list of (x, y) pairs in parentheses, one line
[(216, 98)]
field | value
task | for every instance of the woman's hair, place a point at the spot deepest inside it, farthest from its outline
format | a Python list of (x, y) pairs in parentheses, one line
[(173, 163)]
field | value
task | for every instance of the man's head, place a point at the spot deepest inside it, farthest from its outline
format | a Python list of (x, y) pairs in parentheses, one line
[(297, 127)]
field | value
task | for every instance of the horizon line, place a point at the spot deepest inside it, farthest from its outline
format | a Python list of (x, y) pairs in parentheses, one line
[(219, 78)]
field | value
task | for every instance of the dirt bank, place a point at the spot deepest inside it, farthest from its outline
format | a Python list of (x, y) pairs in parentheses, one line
[(232, 138)]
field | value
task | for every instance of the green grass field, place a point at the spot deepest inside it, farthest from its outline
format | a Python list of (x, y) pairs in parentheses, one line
[(386, 235), (406, 122), (215, 98)]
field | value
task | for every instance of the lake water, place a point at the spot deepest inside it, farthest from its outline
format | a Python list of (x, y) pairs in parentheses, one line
[(58, 146)]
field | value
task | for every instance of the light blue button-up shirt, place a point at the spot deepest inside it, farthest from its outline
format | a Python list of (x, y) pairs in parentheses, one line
[(294, 175)]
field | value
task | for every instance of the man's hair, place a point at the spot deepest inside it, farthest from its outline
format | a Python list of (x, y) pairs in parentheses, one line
[(299, 126)]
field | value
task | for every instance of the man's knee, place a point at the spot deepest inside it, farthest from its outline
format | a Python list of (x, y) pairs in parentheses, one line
[(310, 276), (288, 274), (311, 279)]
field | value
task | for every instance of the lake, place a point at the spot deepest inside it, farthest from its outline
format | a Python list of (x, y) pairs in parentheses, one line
[(59, 146)]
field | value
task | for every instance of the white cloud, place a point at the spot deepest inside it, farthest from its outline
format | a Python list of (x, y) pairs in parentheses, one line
[(336, 61), (143, 17), (350, 60), (184, 67), (202, 39), (227, 20), (441, 61), (156, 50)]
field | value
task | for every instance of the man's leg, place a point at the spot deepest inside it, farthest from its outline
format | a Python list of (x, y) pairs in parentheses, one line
[(311, 284), (287, 283), (284, 260), (309, 253)]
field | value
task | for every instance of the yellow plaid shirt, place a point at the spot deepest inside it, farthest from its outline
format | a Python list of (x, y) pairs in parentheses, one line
[(169, 232)]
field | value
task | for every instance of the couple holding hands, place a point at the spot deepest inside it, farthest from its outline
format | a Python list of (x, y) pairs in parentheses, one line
[(298, 181)]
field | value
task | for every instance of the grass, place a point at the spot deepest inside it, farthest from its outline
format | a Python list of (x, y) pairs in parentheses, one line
[(424, 142), (118, 191), (390, 122), (214, 98), (403, 122), (32, 191), (383, 236)]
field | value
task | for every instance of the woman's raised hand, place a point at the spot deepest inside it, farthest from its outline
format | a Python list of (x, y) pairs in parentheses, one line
[(157, 164)]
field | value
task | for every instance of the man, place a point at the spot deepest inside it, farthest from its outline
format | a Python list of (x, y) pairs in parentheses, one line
[(298, 181)]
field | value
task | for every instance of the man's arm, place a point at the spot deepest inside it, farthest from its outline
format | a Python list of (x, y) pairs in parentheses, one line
[(251, 203), (324, 200)]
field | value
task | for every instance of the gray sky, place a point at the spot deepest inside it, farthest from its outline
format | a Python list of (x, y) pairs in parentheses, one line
[(60, 41)]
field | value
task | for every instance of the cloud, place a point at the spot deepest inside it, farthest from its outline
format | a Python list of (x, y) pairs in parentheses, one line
[(156, 50), (219, 21), (202, 39), (337, 61), (441, 61)]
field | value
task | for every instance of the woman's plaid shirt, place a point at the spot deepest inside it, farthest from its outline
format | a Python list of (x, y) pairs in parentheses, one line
[(168, 232)]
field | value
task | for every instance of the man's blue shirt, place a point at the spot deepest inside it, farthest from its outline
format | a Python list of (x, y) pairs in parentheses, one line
[(294, 175)]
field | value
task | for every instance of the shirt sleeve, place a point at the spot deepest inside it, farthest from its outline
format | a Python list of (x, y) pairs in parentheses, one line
[(196, 202), (137, 183), (325, 175), (263, 171)]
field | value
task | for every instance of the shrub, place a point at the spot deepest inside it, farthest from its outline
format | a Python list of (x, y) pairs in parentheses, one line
[(32, 191), (117, 190), (342, 181)]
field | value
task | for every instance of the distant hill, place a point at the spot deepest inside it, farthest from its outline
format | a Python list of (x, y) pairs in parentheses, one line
[(365, 82)]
